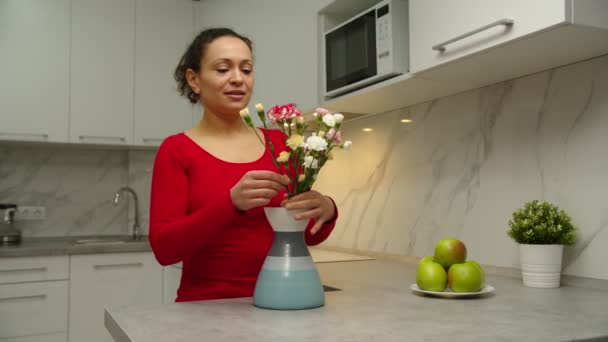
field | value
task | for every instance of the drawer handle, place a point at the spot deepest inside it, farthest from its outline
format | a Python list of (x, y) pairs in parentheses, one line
[(40, 296), (102, 138), (25, 270), (27, 136), (504, 21), (133, 264)]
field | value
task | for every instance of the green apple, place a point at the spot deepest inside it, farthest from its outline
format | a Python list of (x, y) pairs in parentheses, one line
[(426, 259), (483, 273), (466, 277), (430, 276), (450, 251)]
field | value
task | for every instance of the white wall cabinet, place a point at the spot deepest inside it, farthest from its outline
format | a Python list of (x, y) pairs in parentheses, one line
[(542, 34), (34, 299), (163, 31), (34, 69), (435, 21), (101, 71), (99, 281)]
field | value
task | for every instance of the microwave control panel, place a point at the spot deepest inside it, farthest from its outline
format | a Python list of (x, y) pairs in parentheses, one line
[(383, 38)]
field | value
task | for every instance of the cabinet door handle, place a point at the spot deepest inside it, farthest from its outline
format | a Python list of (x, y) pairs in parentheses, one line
[(504, 21), (152, 140), (27, 136), (132, 264), (40, 296), (24, 270), (101, 138)]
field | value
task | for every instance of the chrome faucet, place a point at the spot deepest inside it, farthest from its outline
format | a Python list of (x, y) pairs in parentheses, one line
[(135, 233)]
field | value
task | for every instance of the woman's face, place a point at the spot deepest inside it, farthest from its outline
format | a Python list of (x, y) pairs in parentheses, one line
[(225, 80)]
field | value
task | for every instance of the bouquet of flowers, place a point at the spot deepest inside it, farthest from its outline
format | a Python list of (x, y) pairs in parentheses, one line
[(305, 156)]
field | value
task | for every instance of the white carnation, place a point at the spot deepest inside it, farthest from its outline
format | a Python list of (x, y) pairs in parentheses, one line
[(347, 144), (329, 120), (316, 143), (338, 118)]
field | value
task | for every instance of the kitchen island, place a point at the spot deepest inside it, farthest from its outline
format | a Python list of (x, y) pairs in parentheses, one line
[(376, 304)]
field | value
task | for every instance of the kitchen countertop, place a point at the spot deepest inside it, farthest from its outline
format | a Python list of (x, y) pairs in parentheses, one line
[(69, 245), (376, 304)]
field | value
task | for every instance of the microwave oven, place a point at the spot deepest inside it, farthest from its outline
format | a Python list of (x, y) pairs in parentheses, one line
[(368, 48)]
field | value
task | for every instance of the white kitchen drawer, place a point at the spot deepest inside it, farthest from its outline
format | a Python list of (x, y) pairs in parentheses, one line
[(58, 337), (33, 308), (18, 270)]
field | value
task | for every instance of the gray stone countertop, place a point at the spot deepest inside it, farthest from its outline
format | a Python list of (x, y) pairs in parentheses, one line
[(376, 304), (70, 245)]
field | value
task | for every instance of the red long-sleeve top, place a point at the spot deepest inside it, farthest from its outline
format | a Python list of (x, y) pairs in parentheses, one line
[(193, 220)]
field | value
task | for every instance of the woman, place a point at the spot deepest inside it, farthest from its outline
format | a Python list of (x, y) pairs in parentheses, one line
[(210, 183)]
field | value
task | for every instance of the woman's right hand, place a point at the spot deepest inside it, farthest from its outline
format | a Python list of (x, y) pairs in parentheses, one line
[(257, 188)]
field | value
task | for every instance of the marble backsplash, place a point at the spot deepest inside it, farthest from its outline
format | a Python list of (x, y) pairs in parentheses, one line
[(467, 161), (459, 169), (75, 184)]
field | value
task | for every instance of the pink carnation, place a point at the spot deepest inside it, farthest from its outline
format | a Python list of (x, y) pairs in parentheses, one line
[(338, 138), (282, 113), (322, 111), (335, 136)]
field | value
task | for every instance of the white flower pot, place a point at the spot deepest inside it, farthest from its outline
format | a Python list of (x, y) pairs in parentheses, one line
[(541, 265)]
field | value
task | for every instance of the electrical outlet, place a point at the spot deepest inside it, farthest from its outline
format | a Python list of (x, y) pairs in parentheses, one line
[(30, 213)]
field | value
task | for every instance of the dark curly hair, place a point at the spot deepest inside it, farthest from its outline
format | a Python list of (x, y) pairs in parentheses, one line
[(194, 54)]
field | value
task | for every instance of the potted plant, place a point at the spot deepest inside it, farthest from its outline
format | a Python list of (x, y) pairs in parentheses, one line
[(541, 229)]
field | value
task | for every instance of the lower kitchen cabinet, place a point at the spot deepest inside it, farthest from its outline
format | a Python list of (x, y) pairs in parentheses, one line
[(35, 308), (34, 299), (171, 278), (99, 281)]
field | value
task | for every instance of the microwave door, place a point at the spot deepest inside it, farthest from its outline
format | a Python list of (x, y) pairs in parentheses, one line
[(351, 52)]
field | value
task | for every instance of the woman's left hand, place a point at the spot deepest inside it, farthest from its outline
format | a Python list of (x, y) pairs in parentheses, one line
[(315, 205)]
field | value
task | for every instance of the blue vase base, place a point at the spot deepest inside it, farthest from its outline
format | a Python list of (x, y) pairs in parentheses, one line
[(291, 290)]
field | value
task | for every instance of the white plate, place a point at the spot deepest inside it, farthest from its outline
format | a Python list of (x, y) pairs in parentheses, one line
[(449, 294)]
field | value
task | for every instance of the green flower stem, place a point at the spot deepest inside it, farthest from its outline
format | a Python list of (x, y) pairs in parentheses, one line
[(271, 152), (298, 166), (270, 144)]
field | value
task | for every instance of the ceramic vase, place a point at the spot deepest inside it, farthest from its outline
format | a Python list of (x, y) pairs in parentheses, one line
[(541, 265), (289, 279)]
